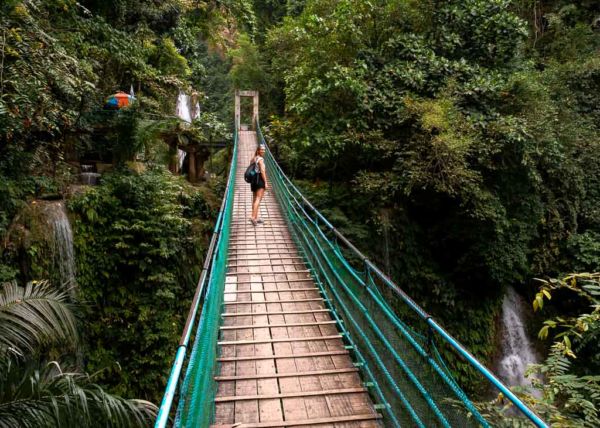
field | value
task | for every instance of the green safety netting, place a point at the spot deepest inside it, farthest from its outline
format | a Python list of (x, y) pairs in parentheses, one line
[(198, 389), (408, 378)]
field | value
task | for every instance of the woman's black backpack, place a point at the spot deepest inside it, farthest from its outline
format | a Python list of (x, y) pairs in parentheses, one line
[(250, 174)]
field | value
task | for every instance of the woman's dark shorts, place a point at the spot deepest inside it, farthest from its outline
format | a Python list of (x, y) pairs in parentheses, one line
[(257, 184)]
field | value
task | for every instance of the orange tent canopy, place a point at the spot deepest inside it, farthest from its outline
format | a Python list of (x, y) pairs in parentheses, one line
[(123, 99)]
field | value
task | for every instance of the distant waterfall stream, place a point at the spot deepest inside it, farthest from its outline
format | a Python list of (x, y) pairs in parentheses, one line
[(87, 175), (62, 237), (184, 112), (517, 350)]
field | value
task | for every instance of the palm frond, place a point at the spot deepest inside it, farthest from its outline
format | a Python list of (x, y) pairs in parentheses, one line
[(42, 395), (33, 316)]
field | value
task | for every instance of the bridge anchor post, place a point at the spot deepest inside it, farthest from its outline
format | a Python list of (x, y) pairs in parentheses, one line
[(238, 107)]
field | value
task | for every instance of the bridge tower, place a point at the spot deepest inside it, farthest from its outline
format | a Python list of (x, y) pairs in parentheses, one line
[(238, 96)]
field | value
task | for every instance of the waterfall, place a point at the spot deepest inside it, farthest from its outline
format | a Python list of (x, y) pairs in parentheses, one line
[(89, 178), (62, 244), (183, 108), (197, 111), (87, 175), (183, 112), (517, 350)]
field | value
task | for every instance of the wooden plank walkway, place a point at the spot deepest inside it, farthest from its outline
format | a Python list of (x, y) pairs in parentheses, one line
[(282, 362)]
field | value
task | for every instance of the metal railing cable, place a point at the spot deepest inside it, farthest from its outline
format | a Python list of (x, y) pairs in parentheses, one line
[(398, 352), (206, 289)]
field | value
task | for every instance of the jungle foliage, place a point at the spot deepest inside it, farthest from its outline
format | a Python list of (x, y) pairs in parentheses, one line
[(36, 322), (139, 244), (463, 134), (59, 60), (456, 140), (567, 382)]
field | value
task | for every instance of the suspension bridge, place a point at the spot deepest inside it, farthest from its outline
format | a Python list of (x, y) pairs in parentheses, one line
[(293, 326)]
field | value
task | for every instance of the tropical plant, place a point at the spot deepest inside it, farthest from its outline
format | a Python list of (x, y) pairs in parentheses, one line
[(575, 335), (139, 241), (37, 320)]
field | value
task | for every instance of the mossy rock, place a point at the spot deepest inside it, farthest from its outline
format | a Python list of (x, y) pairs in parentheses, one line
[(137, 167)]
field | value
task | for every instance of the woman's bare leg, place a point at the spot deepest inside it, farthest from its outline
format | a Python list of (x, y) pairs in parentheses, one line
[(256, 203), (253, 199)]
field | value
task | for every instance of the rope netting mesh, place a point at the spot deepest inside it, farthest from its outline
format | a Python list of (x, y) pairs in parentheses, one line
[(198, 389), (400, 363)]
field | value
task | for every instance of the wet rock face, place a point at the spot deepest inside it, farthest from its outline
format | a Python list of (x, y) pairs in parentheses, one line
[(40, 242), (62, 248), (90, 178), (88, 175)]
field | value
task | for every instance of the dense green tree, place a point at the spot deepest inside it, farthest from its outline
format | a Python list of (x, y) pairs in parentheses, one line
[(467, 136), (59, 60), (139, 242), (462, 134)]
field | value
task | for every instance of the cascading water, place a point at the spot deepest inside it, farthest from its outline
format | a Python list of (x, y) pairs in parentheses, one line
[(62, 237), (87, 176), (517, 351), (197, 111), (183, 108), (183, 112)]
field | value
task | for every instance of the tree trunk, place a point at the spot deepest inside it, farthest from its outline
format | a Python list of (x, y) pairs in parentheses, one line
[(192, 167)]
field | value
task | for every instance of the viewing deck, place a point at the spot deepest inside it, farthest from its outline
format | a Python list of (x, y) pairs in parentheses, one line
[(282, 361)]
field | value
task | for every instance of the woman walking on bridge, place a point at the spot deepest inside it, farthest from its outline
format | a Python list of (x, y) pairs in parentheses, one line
[(259, 185)]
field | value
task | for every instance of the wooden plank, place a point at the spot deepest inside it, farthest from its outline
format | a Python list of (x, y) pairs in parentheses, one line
[(293, 280), (268, 252), (290, 374), (251, 240), (279, 290), (293, 407), (304, 422), (252, 250), (279, 236), (281, 356), (238, 302), (270, 260), (270, 272), (242, 314), (251, 245), (270, 264), (267, 387), (291, 394), (246, 411), (289, 339), (338, 405), (264, 226), (235, 327), (225, 412), (254, 259)]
